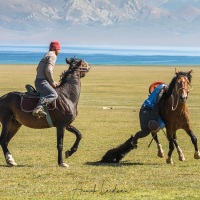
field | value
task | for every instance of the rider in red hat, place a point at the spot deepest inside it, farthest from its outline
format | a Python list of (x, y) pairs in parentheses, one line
[(44, 81), (54, 45)]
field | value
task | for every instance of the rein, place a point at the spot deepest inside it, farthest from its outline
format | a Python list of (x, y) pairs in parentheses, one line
[(174, 108)]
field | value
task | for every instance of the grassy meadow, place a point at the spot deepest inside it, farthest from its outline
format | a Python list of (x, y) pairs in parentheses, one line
[(141, 175)]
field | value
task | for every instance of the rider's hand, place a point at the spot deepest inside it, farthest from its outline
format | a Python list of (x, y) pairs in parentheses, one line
[(54, 84), (165, 88)]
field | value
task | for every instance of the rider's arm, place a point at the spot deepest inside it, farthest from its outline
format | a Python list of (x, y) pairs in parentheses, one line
[(49, 69), (169, 91), (157, 104)]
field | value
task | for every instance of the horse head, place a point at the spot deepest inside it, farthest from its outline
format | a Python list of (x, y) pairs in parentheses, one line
[(183, 80), (76, 64)]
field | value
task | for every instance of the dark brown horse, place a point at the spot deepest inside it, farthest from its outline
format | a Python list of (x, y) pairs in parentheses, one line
[(175, 114), (12, 117)]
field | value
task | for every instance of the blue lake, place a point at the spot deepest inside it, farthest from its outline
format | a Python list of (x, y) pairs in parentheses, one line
[(104, 55)]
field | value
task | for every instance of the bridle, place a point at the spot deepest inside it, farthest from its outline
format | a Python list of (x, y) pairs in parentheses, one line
[(177, 92), (83, 68)]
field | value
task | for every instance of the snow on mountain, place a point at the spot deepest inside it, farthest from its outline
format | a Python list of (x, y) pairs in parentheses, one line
[(101, 12), (102, 21)]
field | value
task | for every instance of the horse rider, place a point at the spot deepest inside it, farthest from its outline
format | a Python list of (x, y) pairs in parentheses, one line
[(44, 81), (150, 120)]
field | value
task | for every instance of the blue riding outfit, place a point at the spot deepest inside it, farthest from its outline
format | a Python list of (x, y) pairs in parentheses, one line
[(152, 100), (151, 107)]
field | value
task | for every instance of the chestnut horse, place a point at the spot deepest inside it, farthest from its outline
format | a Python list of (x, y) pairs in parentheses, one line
[(12, 117), (175, 114)]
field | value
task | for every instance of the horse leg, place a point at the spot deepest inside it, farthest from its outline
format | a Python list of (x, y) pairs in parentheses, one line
[(60, 137), (4, 144), (159, 146), (171, 149), (194, 141), (180, 153), (7, 131), (15, 126), (74, 148)]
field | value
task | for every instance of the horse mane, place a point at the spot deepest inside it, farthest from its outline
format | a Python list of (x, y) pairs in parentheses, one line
[(67, 73), (64, 77)]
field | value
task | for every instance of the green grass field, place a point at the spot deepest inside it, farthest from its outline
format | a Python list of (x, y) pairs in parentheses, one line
[(141, 175)]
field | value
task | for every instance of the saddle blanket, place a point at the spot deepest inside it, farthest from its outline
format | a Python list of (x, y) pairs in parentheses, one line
[(29, 104)]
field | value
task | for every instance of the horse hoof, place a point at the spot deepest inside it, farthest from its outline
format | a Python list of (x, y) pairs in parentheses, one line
[(10, 161), (11, 164), (169, 161), (180, 154), (182, 157), (160, 151), (63, 165), (160, 154), (197, 155)]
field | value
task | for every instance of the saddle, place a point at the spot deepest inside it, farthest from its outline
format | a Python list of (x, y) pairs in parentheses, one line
[(30, 99)]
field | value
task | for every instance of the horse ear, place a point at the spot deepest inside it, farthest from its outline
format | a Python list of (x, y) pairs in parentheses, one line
[(176, 71), (190, 72), (79, 62), (68, 61)]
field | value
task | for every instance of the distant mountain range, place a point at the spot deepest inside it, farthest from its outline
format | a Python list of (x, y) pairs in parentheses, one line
[(101, 22)]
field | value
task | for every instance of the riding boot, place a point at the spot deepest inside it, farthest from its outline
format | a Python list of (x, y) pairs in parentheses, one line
[(39, 110)]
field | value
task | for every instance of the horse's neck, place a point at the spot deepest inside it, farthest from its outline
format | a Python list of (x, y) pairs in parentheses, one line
[(70, 91), (173, 105)]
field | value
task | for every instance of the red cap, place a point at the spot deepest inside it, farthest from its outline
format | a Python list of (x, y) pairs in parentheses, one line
[(154, 85), (54, 45)]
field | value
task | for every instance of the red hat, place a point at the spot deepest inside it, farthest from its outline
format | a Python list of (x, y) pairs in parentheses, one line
[(54, 45), (154, 85)]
